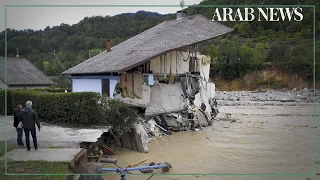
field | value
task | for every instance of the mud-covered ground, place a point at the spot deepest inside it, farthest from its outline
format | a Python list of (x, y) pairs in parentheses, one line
[(282, 138)]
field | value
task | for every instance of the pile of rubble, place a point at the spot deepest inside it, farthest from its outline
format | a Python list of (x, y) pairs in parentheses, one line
[(185, 104)]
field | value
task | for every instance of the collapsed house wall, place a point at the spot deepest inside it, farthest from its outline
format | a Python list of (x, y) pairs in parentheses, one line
[(176, 62), (138, 102), (165, 98), (180, 104)]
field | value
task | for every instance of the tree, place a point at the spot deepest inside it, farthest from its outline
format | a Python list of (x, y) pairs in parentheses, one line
[(259, 56)]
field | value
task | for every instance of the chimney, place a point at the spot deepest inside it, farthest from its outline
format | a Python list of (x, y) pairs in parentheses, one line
[(108, 44), (181, 14)]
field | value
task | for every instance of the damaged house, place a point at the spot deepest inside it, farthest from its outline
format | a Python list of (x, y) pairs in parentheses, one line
[(160, 71)]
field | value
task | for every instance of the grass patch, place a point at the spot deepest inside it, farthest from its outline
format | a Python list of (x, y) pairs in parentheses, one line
[(31, 167), (10, 147), (38, 167)]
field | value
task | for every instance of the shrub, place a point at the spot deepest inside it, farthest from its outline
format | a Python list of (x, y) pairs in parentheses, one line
[(2, 102), (54, 90), (118, 115), (76, 109)]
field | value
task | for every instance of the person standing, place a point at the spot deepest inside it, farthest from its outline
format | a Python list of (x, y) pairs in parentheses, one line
[(18, 125), (29, 119)]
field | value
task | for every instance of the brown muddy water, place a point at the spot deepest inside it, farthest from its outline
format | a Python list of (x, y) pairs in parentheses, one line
[(260, 140)]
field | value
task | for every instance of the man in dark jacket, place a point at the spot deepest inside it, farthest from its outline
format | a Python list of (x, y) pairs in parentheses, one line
[(29, 119), (18, 125)]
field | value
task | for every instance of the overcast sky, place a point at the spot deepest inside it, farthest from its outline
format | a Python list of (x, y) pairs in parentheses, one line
[(40, 17)]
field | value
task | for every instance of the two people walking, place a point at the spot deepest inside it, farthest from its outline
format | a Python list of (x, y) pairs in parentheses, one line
[(26, 118)]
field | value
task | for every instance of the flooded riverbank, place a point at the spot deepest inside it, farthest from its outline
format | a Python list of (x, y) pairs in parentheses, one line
[(252, 140)]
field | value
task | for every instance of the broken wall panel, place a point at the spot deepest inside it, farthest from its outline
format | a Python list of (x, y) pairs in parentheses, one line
[(141, 137), (165, 98), (202, 97), (211, 89), (137, 84), (129, 85), (176, 61), (138, 102)]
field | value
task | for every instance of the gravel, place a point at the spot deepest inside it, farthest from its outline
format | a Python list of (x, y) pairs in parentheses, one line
[(271, 97)]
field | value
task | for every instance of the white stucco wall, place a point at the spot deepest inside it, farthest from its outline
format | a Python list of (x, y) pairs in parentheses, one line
[(86, 85)]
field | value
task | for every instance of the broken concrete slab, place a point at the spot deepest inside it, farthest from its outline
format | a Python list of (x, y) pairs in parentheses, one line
[(51, 155), (171, 121), (138, 102), (165, 98), (141, 137), (154, 130)]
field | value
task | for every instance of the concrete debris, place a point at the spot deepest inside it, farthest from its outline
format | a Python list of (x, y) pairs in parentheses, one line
[(153, 129), (138, 102), (165, 98), (142, 138), (186, 103)]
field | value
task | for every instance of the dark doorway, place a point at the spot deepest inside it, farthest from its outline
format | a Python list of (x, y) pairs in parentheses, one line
[(106, 87)]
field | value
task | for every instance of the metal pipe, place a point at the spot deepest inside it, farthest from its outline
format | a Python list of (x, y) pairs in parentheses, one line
[(106, 160), (134, 168), (161, 128)]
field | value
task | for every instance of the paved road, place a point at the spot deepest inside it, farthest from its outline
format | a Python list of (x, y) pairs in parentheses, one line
[(52, 155), (51, 135)]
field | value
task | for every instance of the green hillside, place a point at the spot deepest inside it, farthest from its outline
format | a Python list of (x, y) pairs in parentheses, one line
[(288, 45)]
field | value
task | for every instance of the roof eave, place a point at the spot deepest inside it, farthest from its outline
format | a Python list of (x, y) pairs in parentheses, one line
[(144, 61)]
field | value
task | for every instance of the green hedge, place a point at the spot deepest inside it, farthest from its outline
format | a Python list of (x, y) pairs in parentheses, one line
[(2, 102), (54, 90), (80, 108), (75, 108)]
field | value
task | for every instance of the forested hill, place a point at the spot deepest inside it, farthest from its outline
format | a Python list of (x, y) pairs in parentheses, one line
[(285, 44), (54, 49)]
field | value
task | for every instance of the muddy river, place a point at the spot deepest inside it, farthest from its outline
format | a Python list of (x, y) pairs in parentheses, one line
[(252, 140)]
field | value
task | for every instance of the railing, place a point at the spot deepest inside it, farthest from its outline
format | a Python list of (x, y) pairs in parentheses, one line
[(123, 171)]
